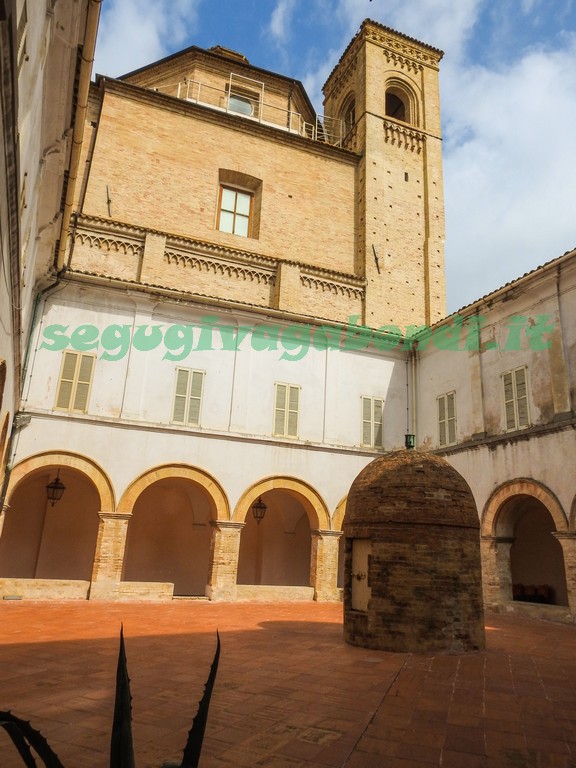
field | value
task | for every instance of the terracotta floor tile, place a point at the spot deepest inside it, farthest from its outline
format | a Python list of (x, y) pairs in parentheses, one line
[(289, 693)]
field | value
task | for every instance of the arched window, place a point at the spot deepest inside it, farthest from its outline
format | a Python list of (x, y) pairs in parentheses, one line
[(400, 103), (349, 114)]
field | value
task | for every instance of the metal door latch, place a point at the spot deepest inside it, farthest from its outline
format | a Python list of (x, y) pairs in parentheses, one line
[(359, 576)]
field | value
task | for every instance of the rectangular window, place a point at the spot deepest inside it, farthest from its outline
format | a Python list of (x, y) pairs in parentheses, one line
[(447, 418), (188, 397), (235, 211), (372, 433), (74, 382), (516, 399), (286, 401)]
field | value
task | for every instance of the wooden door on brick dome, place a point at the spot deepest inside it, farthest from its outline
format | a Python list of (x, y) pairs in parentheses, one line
[(277, 550), (169, 536), (361, 550)]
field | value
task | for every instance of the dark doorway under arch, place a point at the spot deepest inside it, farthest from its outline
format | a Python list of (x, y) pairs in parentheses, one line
[(277, 551), (169, 537), (536, 558)]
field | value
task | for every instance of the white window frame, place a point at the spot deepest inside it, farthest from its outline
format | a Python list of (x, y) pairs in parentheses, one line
[(188, 397), (74, 382), (515, 399), (372, 427), (446, 423), (286, 410), (236, 215)]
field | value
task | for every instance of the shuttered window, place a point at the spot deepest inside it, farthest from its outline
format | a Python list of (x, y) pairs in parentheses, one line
[(188, 397), (372, 432), (516, 399), (286, 402), (74, 382), (447, 419)]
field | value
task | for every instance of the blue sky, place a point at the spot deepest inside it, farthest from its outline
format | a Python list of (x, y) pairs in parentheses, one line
[(508, 90)]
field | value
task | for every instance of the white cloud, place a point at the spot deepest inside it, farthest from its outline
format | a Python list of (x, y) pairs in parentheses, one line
[(444, 24), (137, 32), (529, 5), (509, 151), (508, 167), (281, 19)]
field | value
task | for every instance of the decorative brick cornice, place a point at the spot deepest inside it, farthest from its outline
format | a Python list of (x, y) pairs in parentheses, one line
[(337, 288), (204, 248), (218, 267), (403, 138), (341, 79), (402, 62), (109, 243), (110, 227), (401, 45)]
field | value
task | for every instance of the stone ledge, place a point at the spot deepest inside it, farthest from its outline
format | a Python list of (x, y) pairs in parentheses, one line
[(44, 589), (272, 594), (560, 613)]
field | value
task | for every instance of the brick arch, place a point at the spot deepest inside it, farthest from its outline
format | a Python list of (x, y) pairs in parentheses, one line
[(338, 516), (66, 459), (311, 500), (4, 439), (178, 472), (573, 516), (521, 487)]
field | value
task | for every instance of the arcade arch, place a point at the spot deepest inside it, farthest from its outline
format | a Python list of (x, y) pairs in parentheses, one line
[(520, 523)]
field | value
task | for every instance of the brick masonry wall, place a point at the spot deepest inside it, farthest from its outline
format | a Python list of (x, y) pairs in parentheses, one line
[(415, 517)]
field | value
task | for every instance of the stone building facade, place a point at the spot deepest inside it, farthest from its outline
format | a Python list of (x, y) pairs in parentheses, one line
[(240, 313)]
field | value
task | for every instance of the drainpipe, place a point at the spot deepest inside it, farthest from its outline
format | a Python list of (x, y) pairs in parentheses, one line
[(413, 354), (88, 49), (17, 421)]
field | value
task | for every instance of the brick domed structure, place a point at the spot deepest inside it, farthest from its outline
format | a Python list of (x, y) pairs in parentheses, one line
[(412, 568)]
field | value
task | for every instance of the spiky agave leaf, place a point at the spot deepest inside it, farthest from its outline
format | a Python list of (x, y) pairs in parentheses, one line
[(24, 736), (193, 746), (121, 747)]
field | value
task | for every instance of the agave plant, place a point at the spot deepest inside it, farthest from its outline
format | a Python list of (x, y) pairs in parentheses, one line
[(26, 738)]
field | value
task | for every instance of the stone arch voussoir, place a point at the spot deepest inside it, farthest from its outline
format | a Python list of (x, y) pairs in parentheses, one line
[(339, 512), (177, 472), (521, 487), (311, 500), (82, 464)]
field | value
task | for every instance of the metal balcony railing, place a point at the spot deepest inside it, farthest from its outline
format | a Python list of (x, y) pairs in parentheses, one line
[(245, 97)]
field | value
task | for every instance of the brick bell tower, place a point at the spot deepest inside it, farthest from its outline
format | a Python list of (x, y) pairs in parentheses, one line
[(385, 89)]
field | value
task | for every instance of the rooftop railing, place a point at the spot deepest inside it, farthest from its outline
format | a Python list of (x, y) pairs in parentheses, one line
[(245, 98)]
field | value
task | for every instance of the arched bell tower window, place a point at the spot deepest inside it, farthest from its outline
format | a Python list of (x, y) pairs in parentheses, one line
[(348, 114), (400, 103)]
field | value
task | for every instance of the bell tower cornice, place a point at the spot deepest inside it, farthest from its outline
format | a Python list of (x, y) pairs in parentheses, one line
[(406, 52)]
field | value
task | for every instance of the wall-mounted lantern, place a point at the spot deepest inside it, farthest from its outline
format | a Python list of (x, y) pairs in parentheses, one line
[(55, 489), (259, 509)]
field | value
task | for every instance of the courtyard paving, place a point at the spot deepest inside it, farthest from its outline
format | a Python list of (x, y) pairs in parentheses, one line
[(289, 693)]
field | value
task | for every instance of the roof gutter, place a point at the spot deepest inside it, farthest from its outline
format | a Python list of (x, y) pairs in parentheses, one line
[(88, 49)]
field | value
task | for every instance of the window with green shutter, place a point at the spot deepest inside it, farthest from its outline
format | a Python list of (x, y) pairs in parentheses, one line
[(188, 397), (516, 399), (286, 404), (447, 419), (372, 412), (74, 382)]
